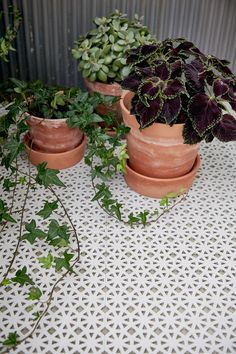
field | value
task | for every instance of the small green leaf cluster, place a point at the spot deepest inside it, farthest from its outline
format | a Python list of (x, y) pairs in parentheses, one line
[(10, 34), (101, 52), (4, 213)]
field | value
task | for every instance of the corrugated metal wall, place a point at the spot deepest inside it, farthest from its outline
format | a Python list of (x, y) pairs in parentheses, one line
[(50, 28)]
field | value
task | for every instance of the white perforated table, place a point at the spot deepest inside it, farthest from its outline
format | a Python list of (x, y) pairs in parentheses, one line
[(166, 288)]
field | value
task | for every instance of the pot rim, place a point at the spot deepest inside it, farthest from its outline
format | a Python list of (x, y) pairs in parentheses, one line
[(45, 119)]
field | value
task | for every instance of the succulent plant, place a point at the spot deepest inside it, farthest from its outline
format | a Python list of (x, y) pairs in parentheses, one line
[(101, 52), (174, 82)]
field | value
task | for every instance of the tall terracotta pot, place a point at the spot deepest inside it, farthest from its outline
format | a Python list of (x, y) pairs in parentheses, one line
[(106, 90), (52, 135), (157, 151)]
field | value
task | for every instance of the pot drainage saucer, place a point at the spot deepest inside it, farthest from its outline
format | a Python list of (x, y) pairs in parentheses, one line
[(56, 161), (159, 187)]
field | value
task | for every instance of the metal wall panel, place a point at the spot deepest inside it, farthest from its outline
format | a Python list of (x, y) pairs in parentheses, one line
[(50, 28)]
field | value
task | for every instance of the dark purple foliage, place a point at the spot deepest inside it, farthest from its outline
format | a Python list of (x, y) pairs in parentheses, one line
[(174, 88), (174, 82), (225, 130), (148, 114), (171, 109), (192, 72), (220, 88), (203, 112), (162, 71)]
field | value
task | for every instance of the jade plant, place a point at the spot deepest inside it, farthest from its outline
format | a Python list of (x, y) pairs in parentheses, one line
[(174, 82), (101, 52), (10, 33)]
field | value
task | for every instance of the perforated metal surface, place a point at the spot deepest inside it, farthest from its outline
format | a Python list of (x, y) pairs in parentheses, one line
[(167, 288)]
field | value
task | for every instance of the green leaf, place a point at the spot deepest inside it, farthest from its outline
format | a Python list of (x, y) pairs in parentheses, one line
[(11, 339), (63, 262), (172, 195), (47, 176), (116, 209), (34, 294), (22, 180), (22, 277), (8, 184), (48, 209), (58, 235), (5, 282), (46, 261), (33, 232), (4, 215), (164, 202), (13, 147), (143, 216), (132, 219)]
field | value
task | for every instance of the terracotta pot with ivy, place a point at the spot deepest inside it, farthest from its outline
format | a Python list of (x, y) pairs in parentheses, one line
[(46, 110), (179, 97), (102, 54)]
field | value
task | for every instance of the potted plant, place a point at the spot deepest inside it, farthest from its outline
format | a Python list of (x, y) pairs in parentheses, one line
[(46, 109), (179, 97), (102, 54)]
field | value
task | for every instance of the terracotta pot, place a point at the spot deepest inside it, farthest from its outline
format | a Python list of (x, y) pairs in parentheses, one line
[(107, 90), (58, 160), (160, 187), (53, 135), (157, 151)]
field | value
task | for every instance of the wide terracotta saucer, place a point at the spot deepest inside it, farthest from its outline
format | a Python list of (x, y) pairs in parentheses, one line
[(160, 187), (56, 161)]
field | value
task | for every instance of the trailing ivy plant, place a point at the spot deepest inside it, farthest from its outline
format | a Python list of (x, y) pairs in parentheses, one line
[(106, 156), (174, 82), (10, 33), (101, 52)]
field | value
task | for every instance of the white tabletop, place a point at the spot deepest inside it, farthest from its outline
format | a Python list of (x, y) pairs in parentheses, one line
[(166, 288)]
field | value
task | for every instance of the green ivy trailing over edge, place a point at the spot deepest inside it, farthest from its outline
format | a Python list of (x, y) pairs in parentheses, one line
[(106, 156)]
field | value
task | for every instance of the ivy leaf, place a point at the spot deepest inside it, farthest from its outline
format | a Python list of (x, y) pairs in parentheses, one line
[(46, 261), (34, 294), (132, 219), (58, 235), (22, 180), (11, 339), (143, 217), (5, 282), (4, 215), (22, 277), (164, 202), (47, 176), (8, 184), (47, 209), (14, 147), (116, 209), (33, 232), (63, 262)]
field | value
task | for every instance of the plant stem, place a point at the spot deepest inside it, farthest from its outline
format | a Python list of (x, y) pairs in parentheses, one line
[(21, 226)]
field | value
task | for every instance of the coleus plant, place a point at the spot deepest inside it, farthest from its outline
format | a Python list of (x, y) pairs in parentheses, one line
[(174, 82)]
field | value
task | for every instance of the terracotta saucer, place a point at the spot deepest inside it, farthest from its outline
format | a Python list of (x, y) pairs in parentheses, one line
[(159, 187), (56, 161)]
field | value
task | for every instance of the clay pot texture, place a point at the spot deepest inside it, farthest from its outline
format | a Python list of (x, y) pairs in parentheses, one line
[(160, 187), (106, 90), (58, 160), (158, 150), (52, 135)]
